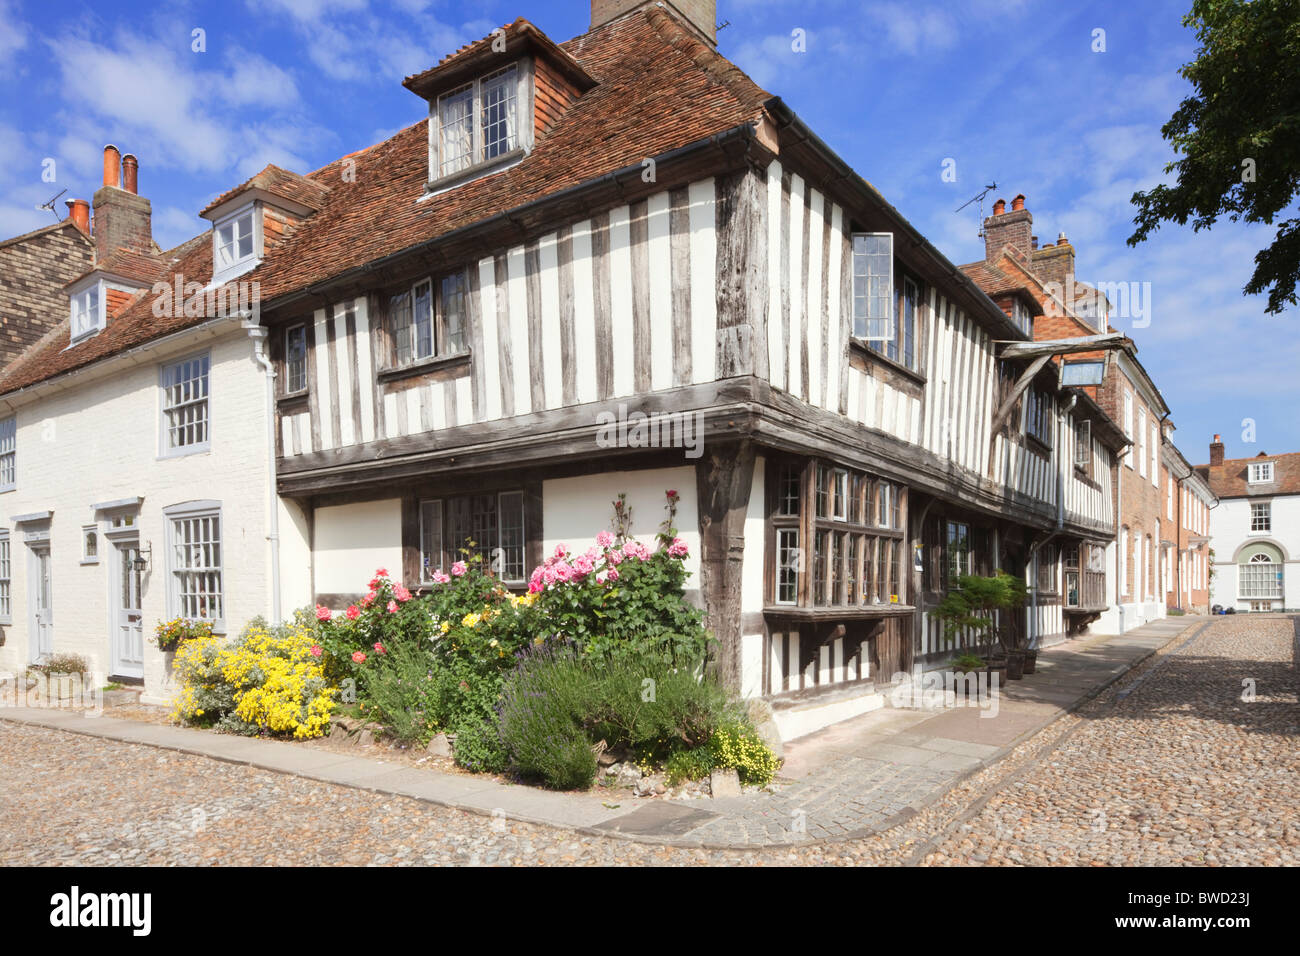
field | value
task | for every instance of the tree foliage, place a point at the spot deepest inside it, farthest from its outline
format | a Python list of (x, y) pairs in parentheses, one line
[(1238, 136)]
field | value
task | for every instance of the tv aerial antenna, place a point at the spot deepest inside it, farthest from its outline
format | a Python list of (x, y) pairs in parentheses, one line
[(50, 206), (979, 198)]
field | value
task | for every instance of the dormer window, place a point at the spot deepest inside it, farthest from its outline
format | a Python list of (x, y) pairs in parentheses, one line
[(87, 312), (1261, 472), (236, 244), (478, 123), (1021, 315)]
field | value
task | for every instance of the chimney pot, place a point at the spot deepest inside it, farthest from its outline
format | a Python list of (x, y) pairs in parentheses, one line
[(130, 173), (1061, 240), (112, 166), (1018, 203), (79, 213), (999, 207)]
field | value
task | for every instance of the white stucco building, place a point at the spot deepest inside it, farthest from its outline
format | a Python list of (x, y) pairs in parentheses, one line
[(1255, 530)]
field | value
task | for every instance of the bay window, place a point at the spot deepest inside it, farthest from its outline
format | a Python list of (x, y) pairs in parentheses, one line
[(854, 524)]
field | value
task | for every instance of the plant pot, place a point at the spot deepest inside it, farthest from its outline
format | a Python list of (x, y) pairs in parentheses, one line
[(998, 667), (1015, 665), (1031, 661)]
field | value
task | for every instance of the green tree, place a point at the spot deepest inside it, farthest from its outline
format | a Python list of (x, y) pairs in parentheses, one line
[(1238, 136)]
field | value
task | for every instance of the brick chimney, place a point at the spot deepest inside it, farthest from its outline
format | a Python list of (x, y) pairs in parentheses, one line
[(1014, 228), (1055, 263), (1216, 451), (123, 219), (699, 15)]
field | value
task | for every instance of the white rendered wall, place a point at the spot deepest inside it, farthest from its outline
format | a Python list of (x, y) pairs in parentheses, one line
[(355, 540)]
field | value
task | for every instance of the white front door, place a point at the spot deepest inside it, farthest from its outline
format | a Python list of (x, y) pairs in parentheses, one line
[(128, 621), (42, 604)]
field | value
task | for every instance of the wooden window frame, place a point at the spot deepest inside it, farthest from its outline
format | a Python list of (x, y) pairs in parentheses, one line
[(450, 552), (441, 338), (839, 559)]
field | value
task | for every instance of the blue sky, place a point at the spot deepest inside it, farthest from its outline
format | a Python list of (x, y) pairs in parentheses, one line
[(1009, 90)]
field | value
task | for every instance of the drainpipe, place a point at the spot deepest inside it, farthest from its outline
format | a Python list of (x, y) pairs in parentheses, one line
[(258, 334), (1120, 556)]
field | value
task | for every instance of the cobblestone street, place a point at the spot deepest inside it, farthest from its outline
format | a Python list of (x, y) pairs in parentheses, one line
[(1174, 764)]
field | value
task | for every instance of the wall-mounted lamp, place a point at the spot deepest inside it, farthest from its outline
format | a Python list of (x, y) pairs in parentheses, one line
[(143, 556)]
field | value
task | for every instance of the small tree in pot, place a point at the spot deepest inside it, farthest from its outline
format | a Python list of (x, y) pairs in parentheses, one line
[(972, 609)]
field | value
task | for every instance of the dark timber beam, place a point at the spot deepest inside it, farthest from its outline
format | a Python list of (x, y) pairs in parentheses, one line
[(723, 476)]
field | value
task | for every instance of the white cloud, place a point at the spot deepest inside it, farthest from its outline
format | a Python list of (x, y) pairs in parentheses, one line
[(13, 31)]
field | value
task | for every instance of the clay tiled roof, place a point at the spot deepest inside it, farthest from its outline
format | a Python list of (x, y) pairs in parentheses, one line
[(129, 264), (134, 326), (659, 88), (1230, 479), (278, 182)]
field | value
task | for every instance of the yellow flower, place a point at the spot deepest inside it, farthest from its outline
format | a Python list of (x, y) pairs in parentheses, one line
[(470, 620), (445, 626)]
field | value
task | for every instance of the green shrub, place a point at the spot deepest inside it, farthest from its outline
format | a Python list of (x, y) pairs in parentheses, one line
[(540, 718), (686, 765), (404, 691), (653, 709), (478, 747), (738, 746)]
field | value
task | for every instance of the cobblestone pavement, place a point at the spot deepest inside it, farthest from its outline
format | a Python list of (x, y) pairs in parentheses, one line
[(1170, 766)]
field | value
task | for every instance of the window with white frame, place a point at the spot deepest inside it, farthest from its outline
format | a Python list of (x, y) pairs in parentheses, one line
[(1261, 471), (185, 406), (430, 320), (1259, 577), (1021, 315), (1128, 418), (1123, 561), (1169, 498), (489, 526), (873, 288), (1155, 456), (1261, 516), (295, 359), (6, 605), (478, 122), (89, 544), (235, 244), (194, 562), (87, 312), (1142, 441), (8, 453)]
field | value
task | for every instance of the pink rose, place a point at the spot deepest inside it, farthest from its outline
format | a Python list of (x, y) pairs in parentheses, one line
[(315, 650), (459, 568), (439, 578), (400, 592), (671, 492), (322, 613), (353, 612), (678, 548), (535, 587), (358, 657), (564, 572), (392, 607), (369, 599), (381, 573), (380, 648), (560, 551), (614, 557), (613, 575), (583, 565), (604, 540)]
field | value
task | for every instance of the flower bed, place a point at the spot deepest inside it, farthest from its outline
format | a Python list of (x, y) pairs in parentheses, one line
[(603, 650)]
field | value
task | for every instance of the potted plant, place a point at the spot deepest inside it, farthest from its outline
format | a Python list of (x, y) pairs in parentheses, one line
[(168, 635), (971, 609)]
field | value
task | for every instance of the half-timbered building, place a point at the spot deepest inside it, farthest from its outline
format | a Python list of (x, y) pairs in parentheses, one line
[(616, 266)]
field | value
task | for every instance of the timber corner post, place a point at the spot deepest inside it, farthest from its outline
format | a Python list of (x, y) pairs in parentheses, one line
[(723, 478)]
